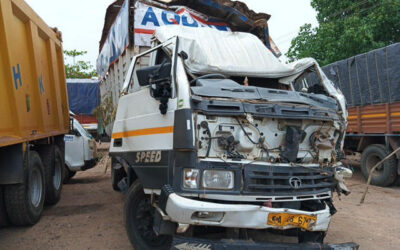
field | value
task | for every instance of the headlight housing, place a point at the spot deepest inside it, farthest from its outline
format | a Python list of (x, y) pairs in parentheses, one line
[(218, 179)]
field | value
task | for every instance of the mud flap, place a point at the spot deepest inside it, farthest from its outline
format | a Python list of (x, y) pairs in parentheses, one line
[(182, 243)]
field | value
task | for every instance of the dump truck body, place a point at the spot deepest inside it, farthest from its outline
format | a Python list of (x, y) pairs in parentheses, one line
[(33, 110)]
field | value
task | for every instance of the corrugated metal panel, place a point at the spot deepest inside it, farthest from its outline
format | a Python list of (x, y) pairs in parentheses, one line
[(375, 119)]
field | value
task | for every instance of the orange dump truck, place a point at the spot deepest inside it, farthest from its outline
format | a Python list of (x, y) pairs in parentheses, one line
[(371, 84), (34, 113)]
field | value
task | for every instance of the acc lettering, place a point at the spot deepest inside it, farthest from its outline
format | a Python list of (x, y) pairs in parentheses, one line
[(148, 157)]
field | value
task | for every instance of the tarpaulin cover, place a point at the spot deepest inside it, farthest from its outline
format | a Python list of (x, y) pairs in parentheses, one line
[(83, 95), (231, 53), (370, 78), (117, 41)]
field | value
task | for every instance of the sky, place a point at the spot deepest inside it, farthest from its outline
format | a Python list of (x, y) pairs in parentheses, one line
[(81, 21)]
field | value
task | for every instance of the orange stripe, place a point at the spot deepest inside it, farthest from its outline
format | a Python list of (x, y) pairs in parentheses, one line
[(146, 131)]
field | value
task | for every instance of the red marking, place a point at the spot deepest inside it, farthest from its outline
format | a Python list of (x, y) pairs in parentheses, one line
[(174, 21), (145, 31)]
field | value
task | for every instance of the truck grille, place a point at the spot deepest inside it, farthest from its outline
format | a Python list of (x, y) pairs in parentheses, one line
[(287, 181)]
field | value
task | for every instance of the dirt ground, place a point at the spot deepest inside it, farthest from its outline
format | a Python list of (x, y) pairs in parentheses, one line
[(90, 216)]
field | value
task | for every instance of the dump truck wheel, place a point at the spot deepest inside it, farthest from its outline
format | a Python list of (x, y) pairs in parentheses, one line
[(139, 215), (384, 175), (53, 163), (24, 202), (68, 174)]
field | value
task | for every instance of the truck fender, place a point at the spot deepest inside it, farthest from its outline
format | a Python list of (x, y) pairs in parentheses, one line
[(11, 164)]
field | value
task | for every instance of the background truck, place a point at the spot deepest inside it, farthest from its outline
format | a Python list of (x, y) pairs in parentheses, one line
[(371, 84), (80, 151), (84, 98), (33, 112)]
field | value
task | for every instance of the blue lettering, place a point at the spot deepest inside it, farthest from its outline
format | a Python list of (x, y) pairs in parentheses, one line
[(221, 28), (150, 16), (17, 77), (176, 19), (41, 87), (186, 23)]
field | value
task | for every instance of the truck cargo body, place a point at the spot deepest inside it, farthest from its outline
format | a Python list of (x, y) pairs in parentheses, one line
[(128, 32), (33, 110), (371, 84)]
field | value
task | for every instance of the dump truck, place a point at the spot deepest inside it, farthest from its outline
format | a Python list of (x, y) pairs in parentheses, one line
[(211, 139), (34, 113), (371, 84)]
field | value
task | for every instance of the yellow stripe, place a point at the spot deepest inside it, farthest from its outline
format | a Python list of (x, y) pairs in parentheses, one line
[(146, 131), (354, 117)]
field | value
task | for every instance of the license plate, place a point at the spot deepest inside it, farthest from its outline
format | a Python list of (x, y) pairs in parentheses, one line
[(297, 220)]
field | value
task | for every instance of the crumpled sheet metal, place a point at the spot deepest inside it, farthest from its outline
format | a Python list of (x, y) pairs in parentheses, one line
[(238, 54), (237, 14)]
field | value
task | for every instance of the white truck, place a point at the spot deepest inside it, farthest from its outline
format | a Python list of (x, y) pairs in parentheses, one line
[(212, 137), (80, 151)]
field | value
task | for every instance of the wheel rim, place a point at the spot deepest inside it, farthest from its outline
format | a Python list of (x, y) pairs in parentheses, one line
[(35, 187), (144, 225), (372, 160), (57, 173)]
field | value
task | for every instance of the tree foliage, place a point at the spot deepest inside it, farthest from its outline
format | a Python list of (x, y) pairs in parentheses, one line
[(347, 28), (79, 69)]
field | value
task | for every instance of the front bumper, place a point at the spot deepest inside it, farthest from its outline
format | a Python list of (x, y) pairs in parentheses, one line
[(182, 210), (181, 243)]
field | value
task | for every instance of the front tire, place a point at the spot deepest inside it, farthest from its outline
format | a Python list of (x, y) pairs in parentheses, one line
[(24, 202), (384, 175), (139, 215)]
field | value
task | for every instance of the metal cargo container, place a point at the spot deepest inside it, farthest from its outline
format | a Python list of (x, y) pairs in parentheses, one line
[(34, 112)]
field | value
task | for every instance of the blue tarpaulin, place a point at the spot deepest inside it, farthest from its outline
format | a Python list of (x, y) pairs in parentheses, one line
[(83, 95)]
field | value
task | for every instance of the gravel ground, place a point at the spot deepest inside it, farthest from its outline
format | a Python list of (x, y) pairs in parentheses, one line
[(90, 216)]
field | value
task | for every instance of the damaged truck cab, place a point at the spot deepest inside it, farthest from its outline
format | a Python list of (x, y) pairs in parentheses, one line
[(212, 138)]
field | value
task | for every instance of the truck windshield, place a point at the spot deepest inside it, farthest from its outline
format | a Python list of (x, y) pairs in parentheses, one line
[(81, 130)]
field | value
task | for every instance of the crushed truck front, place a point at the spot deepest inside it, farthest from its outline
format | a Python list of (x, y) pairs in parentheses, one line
[(239, 147)]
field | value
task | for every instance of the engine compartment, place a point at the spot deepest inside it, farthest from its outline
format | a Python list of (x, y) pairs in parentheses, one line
[(272, 140)]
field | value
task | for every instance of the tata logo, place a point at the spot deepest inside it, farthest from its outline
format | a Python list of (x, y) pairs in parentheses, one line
[(295, 182), (148, 157)]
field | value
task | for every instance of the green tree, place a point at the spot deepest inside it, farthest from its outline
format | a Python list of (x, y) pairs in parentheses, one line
[(347, 28), (78, 69)]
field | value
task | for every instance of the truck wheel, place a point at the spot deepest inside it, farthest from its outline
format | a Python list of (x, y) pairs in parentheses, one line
[(383, 175), (68, 174), (53, 163), (116, 176), (139, 215), (24, 202)]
